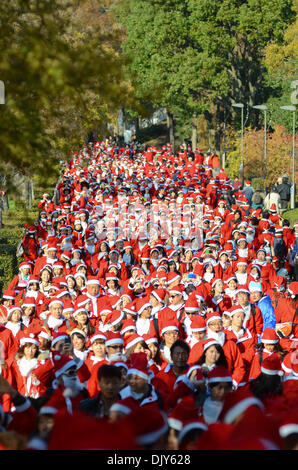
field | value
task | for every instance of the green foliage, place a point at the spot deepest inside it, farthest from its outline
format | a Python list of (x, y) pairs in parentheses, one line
[(291, 215), (61, 78), (189, 55)]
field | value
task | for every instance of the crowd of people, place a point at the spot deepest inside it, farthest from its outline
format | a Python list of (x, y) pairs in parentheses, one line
[(155, 308)]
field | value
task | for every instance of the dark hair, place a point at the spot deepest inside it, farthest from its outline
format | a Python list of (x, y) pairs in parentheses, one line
[(107, 371), (181, 344), (190, 437), (266, 386), (130, 350), (214, 384), (21, 351), (222, 361)]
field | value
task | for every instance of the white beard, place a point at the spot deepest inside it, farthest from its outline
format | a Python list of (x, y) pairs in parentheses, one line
[(211, 410), (54, 322), (136, 396), (73, 384), (90, 249), (117, 357), (220, 337)]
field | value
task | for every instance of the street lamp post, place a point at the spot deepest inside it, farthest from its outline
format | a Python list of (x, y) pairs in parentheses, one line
[(293, 110), (263, 107), (2, 101), (241, 106)]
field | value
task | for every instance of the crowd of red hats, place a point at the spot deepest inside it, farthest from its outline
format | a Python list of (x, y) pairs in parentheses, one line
[(153, 309)]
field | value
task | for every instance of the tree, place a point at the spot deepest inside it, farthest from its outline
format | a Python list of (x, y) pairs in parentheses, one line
[(280, 60), (279, 144), (187, 54)]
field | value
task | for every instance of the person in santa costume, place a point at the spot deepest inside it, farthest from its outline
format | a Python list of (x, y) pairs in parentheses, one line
[(109, 380), (269, 345), (140, 392), (244, 339), (23, 366), (179, 352)]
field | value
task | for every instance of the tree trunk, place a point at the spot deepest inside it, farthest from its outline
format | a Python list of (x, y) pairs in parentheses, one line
[(137, 125), (29, 194), (170, 126)]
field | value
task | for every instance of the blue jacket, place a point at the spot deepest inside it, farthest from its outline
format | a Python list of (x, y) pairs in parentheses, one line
[(265, 305)]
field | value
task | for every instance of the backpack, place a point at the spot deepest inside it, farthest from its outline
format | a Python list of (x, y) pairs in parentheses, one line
[(257, 198)]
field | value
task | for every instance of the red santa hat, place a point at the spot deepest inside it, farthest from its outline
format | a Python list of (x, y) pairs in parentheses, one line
[(97, 336), (273, 208), (181, 413), (142, 304), (132, 340), (113, 339), (130, 308), (150, 424), (125, 406), (269, 336), (8, 294), (169, 326), (211, 317), (62, 363), (235, 309), (159, 294), (293, 289), (189, 426), (219, 374), (191, 305), (92, 280), (54, 301), (177, 290), (198, 324), (148, 338), (78, 331), (115, 317), (25, 265), (78, 311), (236, 403), (209, 342), (29, 302), (128, 325), (173, 277), (139, 365), (289, 425), (58, 336), (271, 365), (28, 338)]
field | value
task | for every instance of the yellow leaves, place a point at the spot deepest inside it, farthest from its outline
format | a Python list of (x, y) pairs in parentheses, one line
[(278, 155), (282, 58)]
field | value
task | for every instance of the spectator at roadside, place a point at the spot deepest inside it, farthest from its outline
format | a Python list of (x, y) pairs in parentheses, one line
[(284, 191)]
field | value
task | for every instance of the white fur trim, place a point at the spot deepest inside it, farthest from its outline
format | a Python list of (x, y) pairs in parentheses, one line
[(175, 424), (133, 342), (48, 410), (288, 429), (139, 373), (65, 367), (169, 328), (271, 372), (188, 427), (118, 407), (240, 408)]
